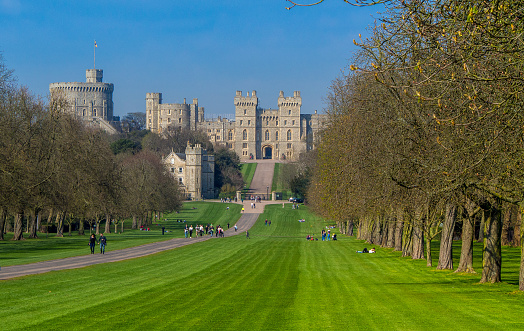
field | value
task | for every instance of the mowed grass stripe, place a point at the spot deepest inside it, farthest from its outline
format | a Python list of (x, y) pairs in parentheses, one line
[(276, 280)]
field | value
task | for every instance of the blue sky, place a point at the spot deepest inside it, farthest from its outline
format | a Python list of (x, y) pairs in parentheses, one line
[(184, 48)]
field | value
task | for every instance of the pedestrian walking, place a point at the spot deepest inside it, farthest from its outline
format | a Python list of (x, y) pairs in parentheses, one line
[(236, 228), (92, 242), (103, 241), (247, 235)]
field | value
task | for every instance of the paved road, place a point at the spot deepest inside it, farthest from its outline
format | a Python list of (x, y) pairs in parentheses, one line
[(262, 178)]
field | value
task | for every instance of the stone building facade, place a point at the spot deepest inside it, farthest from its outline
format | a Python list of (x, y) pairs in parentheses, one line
[(194, 171), (92, 101), (255, 133)]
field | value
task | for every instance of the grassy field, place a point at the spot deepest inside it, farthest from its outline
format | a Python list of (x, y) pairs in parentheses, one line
[(276, 280), (35, 250), (278, 183), (248, 171)]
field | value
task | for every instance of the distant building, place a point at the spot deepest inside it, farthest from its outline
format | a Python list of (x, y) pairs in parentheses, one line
[(256, 133), (194, 170), (92, 101)]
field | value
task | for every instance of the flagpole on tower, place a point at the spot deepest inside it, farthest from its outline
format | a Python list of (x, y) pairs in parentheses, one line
[(94, 55)]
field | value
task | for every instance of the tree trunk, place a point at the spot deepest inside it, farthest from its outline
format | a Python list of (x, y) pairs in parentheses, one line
[(351, 225), (3, 218), (482, 226), (81, 226), (407, 240), (390, 242), (445, 259), (429, 258), (398, 234), (139, 224), (521, 236), (506, 237), (60, 224), (492, 252), (466, 252), (108, 224), (418, 240), (134, 224), (115, 225), (33, 226), (97, 223), (122, 226), (18, 235)]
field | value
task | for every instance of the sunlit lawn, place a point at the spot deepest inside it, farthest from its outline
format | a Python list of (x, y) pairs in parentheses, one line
[(276, 280), (34, 250)]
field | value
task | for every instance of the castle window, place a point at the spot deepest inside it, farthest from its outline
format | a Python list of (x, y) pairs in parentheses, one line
[(218, 137), (85, 102), (241, 122), (84, 112), (289, 145), (276, 123), (180, 170), (289, 112), (293, 122), (276, 135), (244, 135), (179, 120), (267, 122), (285, 122), (245, 111), (267, 135), (248, 122), (218, 130), (180, 180), (169, 111), (180, 111), (230, 135), (288, 134), (172, 170), (168, 120), (244, 145), (94, 112)]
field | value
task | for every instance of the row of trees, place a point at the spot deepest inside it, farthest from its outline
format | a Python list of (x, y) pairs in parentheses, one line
[(427, 129), (52, 167)]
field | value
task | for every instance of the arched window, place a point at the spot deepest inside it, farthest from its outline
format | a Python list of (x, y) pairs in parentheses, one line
[(276, 135), (267, 135), (230, 135), (288, 134), (244, 135)]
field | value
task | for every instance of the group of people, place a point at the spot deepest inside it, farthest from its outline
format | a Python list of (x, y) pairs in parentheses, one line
[(102, 241), (365, 250), (209, 229)]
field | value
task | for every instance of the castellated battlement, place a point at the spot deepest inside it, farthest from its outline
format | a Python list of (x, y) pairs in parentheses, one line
[(82, 87), (294, 101), (248, 100)]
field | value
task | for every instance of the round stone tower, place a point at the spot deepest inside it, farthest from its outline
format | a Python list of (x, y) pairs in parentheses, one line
[(89, 100)]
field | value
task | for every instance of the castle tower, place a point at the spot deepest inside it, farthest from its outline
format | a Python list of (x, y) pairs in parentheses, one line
[(94, 75), (289, 114), (153, 102), (89, 101), (194, 171), (246, 125)]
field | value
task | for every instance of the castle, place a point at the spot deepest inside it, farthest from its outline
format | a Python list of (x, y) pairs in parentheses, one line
[(256, 133), (194, 171), (91, 101)]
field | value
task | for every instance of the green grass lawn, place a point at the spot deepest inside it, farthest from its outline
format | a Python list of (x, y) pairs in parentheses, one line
[(35, 250), (276, 280), (278, 184), (248, 171)]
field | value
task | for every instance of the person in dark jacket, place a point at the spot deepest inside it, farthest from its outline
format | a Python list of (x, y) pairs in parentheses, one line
[(92, 242), (103, 241)]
